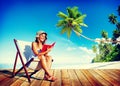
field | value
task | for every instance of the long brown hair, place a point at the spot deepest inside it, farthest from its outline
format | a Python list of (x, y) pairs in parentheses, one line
[(37, 38)]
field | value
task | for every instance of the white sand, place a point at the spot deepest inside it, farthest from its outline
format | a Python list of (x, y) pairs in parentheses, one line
[(103, 65)]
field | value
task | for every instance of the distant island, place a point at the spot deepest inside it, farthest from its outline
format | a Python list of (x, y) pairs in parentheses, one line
[(109, 51)]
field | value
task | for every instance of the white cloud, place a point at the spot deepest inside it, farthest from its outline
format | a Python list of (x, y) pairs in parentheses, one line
[(89, 51), (73, 55), (98, 40), (71, 48)]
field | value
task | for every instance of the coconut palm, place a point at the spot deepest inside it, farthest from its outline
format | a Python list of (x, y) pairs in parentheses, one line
[(104, 34), (112, 19), (72, 21), (94, 49), (118, 10)]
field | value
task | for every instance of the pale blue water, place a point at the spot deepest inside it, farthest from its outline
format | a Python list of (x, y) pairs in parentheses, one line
[(8, 66), (72, 65)]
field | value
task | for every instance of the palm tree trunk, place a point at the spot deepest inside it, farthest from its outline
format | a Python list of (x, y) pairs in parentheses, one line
[(83, 36)]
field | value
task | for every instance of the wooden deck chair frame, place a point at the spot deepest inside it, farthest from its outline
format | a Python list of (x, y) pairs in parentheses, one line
[(18, 54)]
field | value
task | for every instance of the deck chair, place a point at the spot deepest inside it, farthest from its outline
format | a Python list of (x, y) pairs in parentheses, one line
[(23, 52)]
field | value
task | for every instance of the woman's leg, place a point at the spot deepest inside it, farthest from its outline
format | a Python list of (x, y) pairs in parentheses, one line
[(44, 65), (49, 61)]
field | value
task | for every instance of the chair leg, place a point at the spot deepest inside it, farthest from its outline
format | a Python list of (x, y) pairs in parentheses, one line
[(24, 67), (13, 74), (27, 74)]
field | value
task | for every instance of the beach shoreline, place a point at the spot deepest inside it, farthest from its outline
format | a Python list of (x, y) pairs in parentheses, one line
[(97, 65)]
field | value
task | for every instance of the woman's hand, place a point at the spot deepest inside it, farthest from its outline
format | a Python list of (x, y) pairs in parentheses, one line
[(48, 50)]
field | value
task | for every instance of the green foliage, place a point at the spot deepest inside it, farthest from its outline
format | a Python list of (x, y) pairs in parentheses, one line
[(104, 34), (94, 48), (62, 15), (112, 19), (73, 12), (116, 33), (109, 52)]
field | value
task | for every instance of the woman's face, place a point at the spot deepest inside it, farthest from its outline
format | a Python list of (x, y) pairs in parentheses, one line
[(42, 37)]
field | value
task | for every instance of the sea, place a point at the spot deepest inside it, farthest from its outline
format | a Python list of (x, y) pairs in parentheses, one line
[(54, 66)]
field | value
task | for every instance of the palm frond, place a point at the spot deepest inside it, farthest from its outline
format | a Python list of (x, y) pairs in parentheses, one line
[(77, 33), (80, 19), (112, 19), (83, 24), (61, 23), (69, 30), (70, 12), (77, 30), (74, 23), (62, 15), (76, 13), (73, 12), (69, 20), (63, 30)]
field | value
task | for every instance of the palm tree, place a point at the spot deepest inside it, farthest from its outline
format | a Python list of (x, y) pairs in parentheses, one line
[(104, 34), (72, 21), (112, 19), (94, 49), (118, 10)]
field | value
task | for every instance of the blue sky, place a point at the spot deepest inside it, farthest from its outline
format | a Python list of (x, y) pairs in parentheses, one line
[(21, 19)]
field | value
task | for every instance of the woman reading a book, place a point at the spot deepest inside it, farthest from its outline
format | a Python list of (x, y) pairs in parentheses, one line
[(45, 59)]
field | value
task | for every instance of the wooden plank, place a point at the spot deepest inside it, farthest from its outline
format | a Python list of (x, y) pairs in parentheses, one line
[(110, 75), (7, 81), (99, 78), (113, 74), (5, 77), (73, 78), (65, 78), (38, 81), (116, 71), (91, 78), (57, 74), (21, 80), (26, 82), (108, 78), (2, 77), (45, 82), (82, 78), (5, 73)]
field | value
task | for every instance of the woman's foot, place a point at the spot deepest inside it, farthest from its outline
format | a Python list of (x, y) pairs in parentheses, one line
[(51, 78)]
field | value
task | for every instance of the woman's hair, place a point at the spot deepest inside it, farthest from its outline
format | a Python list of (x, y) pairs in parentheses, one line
[(37, 38)]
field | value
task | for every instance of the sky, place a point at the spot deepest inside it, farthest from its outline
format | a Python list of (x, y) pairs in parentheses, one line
[(21, 19)]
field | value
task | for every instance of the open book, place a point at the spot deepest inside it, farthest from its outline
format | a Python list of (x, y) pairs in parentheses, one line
[(46, 46)]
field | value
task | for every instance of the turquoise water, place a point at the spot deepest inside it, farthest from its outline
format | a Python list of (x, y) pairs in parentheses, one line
[(73, 65), (8, 66)]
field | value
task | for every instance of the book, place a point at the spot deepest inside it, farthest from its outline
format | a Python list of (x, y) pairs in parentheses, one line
[(46, 46)]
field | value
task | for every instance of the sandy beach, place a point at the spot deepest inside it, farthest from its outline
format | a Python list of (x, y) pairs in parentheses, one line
[(98, 65)]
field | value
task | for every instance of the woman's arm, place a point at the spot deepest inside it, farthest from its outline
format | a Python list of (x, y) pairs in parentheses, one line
[(45, 52), (34, 48)]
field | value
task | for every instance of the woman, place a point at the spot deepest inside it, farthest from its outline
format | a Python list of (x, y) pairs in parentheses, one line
[(45, 59)]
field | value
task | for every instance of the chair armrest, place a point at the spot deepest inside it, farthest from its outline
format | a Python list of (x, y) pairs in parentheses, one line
[(36, 60)]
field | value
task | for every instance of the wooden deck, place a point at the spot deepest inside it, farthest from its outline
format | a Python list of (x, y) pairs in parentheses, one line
[(66, 77)]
